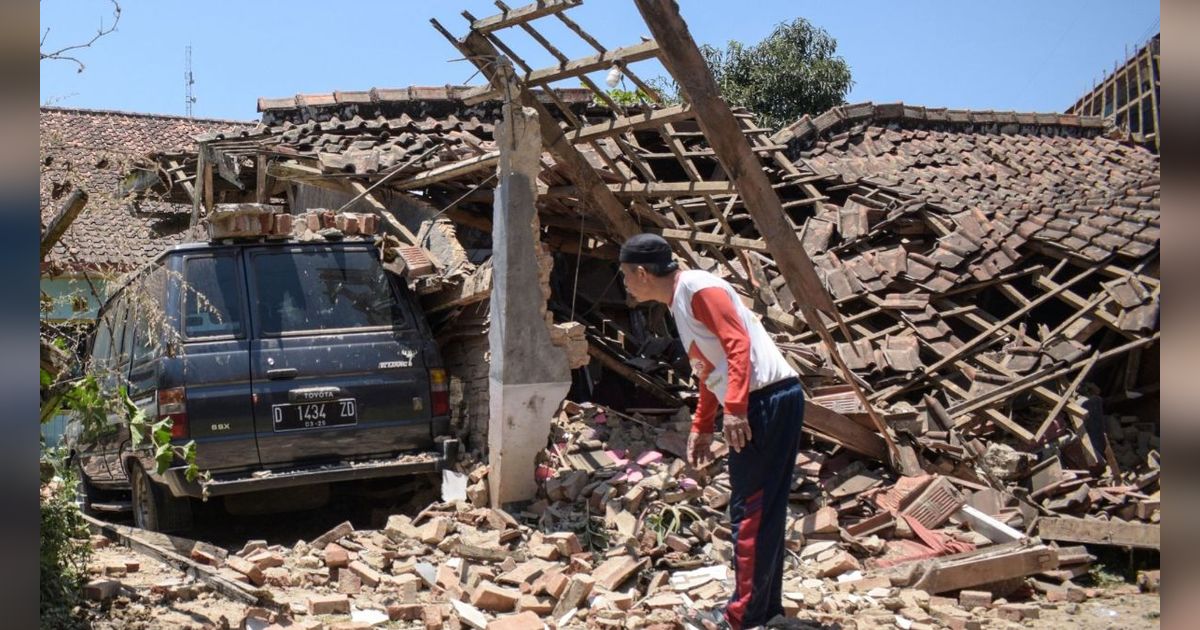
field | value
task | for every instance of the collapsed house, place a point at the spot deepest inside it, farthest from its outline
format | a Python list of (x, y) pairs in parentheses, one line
[(993, 279)]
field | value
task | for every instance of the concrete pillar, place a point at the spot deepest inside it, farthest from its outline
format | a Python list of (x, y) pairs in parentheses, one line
[(529, 376)]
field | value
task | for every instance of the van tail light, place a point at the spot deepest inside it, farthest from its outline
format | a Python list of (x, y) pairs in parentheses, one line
[(172, 404), (439, 392)]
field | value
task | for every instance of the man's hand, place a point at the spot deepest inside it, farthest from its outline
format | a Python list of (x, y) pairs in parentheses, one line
[(737, 432), (699, 453)]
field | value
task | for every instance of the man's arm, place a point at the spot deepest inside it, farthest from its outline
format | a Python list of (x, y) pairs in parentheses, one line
[(705, 419), (714, 309)]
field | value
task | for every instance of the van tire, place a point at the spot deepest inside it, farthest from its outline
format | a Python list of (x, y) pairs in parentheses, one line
[(154, 508)]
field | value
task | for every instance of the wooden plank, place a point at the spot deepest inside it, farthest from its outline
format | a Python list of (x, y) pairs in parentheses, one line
[(1099, 532), (961, 571), (986, 335), (575, 167), (390, 223), (630, 374), (521, 15), (449, 171), (687, 66), (138, 540), (187, 186), (632, 122), (574, 68), (1066, 397), (261, 194), (1037, 378), (62, 220), (672, 189), (201, 184), (828, 424)]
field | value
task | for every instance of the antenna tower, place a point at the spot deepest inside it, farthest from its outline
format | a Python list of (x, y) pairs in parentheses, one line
[(188, 81)]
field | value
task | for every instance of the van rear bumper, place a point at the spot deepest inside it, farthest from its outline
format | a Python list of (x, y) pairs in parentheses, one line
[(407, 464)]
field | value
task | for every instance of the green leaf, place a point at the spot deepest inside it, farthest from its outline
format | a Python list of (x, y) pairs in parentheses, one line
[(189, 455), (164, 455)]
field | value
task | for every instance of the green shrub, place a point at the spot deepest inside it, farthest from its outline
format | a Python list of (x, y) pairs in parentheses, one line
[(65, 550)]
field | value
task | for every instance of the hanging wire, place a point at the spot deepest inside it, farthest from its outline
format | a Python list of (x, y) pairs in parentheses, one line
[(578, 261)]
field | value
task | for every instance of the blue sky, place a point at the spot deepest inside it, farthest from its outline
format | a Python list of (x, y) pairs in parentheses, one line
[(1010, 55)]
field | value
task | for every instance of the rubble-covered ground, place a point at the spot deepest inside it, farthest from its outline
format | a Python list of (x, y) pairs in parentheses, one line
[(624, 534)]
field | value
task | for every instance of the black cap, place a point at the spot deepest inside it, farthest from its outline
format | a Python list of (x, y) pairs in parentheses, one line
[(645, 249)]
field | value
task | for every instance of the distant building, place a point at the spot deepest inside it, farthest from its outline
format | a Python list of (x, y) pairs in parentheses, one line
[(1129, 97), (92, 150)]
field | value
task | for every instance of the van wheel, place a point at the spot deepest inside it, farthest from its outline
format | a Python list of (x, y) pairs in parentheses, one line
[(153, 506), (85, 492)]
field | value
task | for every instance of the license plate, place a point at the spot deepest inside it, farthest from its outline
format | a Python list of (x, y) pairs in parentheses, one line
[(317, 415)]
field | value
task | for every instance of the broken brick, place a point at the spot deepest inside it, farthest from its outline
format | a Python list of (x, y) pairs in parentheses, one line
[(369, 576), (521, 621), (578, 588), (489, 596), (246, 568), (614, 571), (336, 556), (974, 599), (406, 612), (567, 543), (535, 604), (329, 605), (101, 590)]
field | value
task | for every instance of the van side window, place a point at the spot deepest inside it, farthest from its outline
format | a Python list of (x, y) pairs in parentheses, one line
[(147, 315), (211, 306), (102, 346), (106, 354)]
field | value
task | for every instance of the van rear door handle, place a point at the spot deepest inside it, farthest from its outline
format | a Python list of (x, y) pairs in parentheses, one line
[(280, 373)]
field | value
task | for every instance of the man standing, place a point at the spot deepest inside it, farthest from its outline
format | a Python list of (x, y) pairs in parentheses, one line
[(739, 367)]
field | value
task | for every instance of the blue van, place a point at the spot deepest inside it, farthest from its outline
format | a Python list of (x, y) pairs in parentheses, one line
[(289, 363)]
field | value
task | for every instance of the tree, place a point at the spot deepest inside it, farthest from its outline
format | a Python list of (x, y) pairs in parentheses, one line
[(793, 72)]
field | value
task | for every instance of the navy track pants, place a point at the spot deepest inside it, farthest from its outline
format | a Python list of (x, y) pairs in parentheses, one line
[(761, 478)]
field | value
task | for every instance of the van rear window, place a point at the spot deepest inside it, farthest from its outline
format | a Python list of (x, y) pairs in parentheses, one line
[(211, 307), (313, 289)]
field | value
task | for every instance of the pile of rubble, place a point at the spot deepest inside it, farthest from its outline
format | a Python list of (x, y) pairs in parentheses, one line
[(625, 534)]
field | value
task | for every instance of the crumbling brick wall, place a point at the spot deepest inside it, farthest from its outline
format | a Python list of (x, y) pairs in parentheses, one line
[(464, 348)]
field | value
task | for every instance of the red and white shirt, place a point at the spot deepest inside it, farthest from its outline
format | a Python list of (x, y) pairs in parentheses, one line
[(730, 352)]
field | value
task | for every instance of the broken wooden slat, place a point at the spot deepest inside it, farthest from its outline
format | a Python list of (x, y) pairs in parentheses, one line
[(449, 171), (1066, 397), (639, 190), (986, 335), (485, 57), (754, 245), (575, 68), (829, 424), (521, 15), (991, 564), (620, 125), (62, 220), (1037, 378), (1100, 532), (136, 539)]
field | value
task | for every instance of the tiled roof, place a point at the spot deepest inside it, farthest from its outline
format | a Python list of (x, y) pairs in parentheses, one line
[(451, 94), (93, 149), (1000, 180)]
